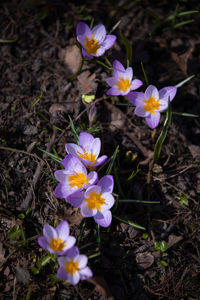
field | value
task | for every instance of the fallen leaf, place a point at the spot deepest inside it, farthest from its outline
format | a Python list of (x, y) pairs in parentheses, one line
[(173, 239), (86, 82), (101, 286), (72, 58), (182, 60), (144, 260)]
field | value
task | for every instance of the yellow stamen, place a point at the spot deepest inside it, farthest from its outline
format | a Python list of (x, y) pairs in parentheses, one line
[(78, 180), (91, 45), (71, 266), (95, 201), (57, 244), (88, 156), (123, 84), (151, 105)]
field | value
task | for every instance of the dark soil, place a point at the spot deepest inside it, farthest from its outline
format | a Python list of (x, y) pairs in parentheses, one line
[(39, 60)]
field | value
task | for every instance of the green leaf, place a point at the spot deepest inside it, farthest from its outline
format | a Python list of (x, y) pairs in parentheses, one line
[(145, 236), (163, 263), (157, 246), (138, 201), (129, 222), (14, 232), (128, 47), (35, 270), (112, 160), (183, 23), (54, 157), (43, 261), (134, 173), (8, 41), (114, 27), (163, 134), (38, 99), (144, 73), (73, 130), (163, 246), (180, 84), (185, 114)]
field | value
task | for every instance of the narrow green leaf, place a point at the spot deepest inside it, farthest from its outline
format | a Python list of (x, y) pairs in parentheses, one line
[(38, 99), (185, 114), (145, 75), (94, 255), (43, 261), (137, 201), (35, 270), (128, 222), (8, 41), (183, 23), (163, 246), (112, 160), (180, 84), (14, 232), (134, 173), (163, 263), (91, 23), (163, 134), (73, 130), (54, 157), (128, 47), (103, 64), (114, 27)]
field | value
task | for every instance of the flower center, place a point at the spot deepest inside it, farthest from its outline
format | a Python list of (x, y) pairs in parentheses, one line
[(91, 45), (71, 266), (151, 105), (57, 244), (88, 156), (95, 201), (78, 180), (123, 84)]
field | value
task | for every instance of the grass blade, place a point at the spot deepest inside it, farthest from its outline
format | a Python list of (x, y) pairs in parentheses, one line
[(54, 157), (114, 27), (112, 160), (73, 129), (145, 75), (8, 41), (163, 134), (128, 47), (129, 222), (185, 114), (138, 201), (38, 99), (180, 84)]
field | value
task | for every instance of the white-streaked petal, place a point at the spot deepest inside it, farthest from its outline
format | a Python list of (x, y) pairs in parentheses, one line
[(167, 92), (86, 55), (85, 138), (106, 183), (153, 120), (163, 105), (136, 83), (86, 211), (72, 148), (82, 261), (49, 232), (73, 279), (99, 32), (95, 147), (76, 199), (103, 219), (63, 230), (111, 81), (85, 273), (136, 98), (109, 200), (108, 41), (83, 29), (100, 160), (151, 91), (93, 177), (71, 240), (139, 111), (113, 91), (92, 189), (100, 52), (129, 73), (118, 66)]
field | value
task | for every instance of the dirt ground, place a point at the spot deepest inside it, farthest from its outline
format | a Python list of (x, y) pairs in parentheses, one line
[(38, 56)]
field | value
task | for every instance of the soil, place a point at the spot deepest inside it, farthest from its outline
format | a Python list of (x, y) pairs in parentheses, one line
[(38, 57)]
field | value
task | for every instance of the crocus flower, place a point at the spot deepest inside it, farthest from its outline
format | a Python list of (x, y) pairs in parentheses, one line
[(73, 266), (94, 42), (152, 102), (73, 178), (87, 150), (57, 240), (96, 201), (122, 81)]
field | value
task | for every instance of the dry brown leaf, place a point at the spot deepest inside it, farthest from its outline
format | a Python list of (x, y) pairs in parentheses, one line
[(144, 260), (182, 60), (87, 84), (101, 286), (72, 58)]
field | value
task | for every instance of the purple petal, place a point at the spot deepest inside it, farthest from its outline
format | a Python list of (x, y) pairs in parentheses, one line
[(109, 41), (92, 189), (99, 32), (113, 92), (61, 175), (100, 160), (136, 98), (83, 29), (151, 91), (85, 139), (136, 83), (139, 111), (49, 232), (86, 211), (76, 199), (71, 240), (166, 92), (85, 273), (109, 201), (153, 120), (61, 273), (71, 148), (93, 177), (62, 191), (103, 219), (72, 253), (96, 146), (163, 105), (43, 242), (118, 66), (82, 261), (106, 183), (129, 73), (86, 55), (63, 230), (100, 52), (73, 279), (111, 81)]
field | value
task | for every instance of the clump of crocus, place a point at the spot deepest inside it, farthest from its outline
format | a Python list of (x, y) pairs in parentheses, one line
[(96, 201), (73, 178), (57, 240), (73, 267), (87, 150), (122, 81), (152, 102), (94, 42)]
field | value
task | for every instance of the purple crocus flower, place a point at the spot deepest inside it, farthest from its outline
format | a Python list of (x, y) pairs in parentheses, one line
[(73, 178), (73, 267), (87, 150), (122, 81), (96, 201), (152, 102), (94, 42), (58, 240)]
